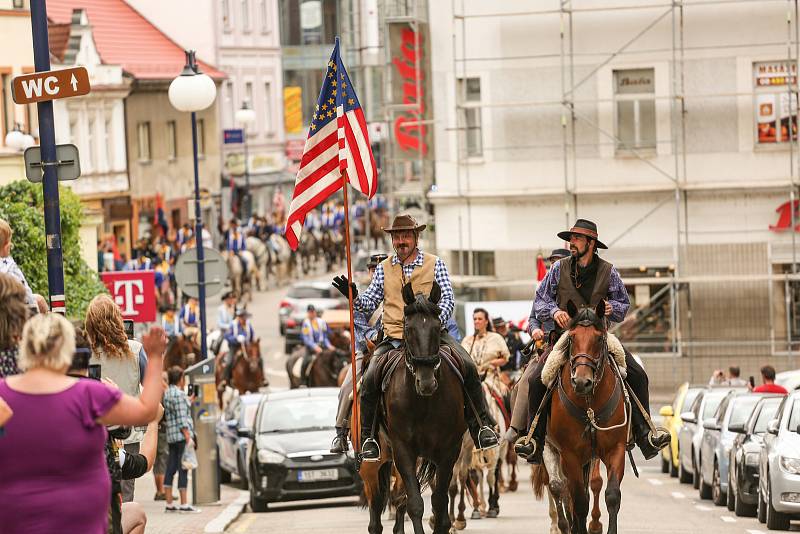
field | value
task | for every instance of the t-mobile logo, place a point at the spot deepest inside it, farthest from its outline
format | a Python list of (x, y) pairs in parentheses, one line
[(126, 299)]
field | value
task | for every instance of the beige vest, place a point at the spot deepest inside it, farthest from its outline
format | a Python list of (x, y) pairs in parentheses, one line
[(393, 305), (124, 372)]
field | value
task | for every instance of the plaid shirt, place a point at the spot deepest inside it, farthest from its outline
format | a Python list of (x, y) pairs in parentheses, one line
[(176, 413), (370, 299)]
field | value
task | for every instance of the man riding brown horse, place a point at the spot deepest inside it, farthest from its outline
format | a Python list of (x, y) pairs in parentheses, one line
[(411, 265), (586, 279)]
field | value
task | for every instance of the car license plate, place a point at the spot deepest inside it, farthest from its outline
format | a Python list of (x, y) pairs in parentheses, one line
[(318, 475)]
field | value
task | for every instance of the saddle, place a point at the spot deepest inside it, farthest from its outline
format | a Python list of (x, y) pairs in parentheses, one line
[(395, 356)]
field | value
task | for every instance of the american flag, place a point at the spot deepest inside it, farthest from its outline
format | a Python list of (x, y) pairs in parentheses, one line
[(337, 142)]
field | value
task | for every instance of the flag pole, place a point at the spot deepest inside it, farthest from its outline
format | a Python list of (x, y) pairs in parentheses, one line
[(355, 415)]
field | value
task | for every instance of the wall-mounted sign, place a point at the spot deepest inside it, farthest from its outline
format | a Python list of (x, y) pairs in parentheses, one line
[(784, 212), (293, 109), (233, 136)]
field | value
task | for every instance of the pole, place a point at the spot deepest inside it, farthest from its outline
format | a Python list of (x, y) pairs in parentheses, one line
[(47, 141), (248, 201), (198, 239), (356, 436)]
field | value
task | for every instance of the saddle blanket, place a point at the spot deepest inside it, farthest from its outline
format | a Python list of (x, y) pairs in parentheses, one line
[(559, 356)]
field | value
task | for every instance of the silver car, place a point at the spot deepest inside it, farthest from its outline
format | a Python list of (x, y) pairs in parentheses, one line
[(779, 466)]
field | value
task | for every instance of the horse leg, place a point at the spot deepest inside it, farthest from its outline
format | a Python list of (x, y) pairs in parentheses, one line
[(398, 496), (511, 459), (493, 481), (596, 483), (439, 497), (472, 487), (615, 469), (407, 467), (376, 488), (557, 489), (577, 482), (552, 511)]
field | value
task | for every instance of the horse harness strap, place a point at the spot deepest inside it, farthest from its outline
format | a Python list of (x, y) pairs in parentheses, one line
[(589, 416)]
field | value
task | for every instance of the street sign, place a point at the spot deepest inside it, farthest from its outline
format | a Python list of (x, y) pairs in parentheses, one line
[(216, 271), (50, 85), (233, 136), (67, 164), (134, 292)]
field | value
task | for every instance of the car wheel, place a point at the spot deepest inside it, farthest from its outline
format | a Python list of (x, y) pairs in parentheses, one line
[(243, 481), (224, 476), (704, 489), (731, 500), (761, 510), (257, 505), (696, 474), (673, 469), (743, 510), (717, 495), (775, 519), (683, 475)]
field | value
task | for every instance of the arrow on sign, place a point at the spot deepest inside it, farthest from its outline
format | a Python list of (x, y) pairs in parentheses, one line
[(74, 82)]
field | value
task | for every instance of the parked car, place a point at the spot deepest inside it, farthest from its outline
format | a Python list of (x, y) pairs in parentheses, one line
[(715, 448), (744, 455), (779, 465), (789, 379), (684, 398), (293, 308), (691, 434), (289, 450), (233, 434)]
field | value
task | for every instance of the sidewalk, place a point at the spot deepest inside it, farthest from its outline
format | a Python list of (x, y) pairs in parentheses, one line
[(214, 517)]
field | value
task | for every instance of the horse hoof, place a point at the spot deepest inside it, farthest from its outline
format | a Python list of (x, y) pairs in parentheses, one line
[(460, 525), (476, 514), (492, 514), (596, 530), (513, 487)]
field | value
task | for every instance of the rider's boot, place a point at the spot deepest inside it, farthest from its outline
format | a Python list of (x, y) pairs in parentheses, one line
[(339, 445), (370, 450), (304, 369)]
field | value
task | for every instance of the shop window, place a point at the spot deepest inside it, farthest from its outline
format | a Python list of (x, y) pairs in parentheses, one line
[(776, 103), (143, 139)]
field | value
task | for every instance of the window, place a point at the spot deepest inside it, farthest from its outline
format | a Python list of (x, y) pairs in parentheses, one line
[(469, 92), (90, 145), (172, 140), (246, 15), (143, 137), (307, 22), (201, 137), (264, 16), (482, 263), (248, 93), (226, 15), (267, 107), (309, 83), (109, 145), (229, 100), (776, 107), (635, 108)]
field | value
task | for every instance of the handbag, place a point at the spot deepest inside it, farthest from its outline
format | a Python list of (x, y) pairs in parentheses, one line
[(189, 458)]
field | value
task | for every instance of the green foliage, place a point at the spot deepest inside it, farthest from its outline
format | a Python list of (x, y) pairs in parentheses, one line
[(22, 205)]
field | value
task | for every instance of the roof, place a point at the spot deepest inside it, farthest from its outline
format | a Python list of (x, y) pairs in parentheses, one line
[(124, 37), (59, 37)]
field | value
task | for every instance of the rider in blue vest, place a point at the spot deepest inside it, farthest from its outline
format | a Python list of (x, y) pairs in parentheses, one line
[(314, 335), (170, 322), (235, 242), (240, 334)]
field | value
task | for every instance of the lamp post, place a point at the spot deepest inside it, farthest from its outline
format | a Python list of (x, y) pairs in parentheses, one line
[(17, 140), (244, 116), (193, 91)]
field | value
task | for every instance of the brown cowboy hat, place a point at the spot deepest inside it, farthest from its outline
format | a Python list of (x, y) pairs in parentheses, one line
[(404, 222), (585, 228)]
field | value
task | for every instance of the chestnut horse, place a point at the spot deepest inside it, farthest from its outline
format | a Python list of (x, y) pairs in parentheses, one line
[(181, 351), (247, 375), (589, 420)]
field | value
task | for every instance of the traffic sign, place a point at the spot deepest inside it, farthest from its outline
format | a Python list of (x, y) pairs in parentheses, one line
[(216, 271), (50, 85), (134, 292), (233, 136), (67, 164)]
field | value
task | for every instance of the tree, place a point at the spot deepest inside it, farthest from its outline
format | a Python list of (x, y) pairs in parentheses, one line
[(22, 206)]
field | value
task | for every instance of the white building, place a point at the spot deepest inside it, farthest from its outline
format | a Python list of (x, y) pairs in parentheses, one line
[(661, 125)]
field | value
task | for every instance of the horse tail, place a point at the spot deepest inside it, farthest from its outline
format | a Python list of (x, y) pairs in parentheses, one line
[(426, 471), (539, 480), (384, 487)]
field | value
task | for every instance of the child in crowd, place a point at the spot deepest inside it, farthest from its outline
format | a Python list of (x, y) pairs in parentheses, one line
[(7, 263)]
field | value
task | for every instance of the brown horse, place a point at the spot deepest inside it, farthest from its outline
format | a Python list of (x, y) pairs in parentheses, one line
[(181, 351), (424, 419), (323, 371), (247, 375), (589, 420)]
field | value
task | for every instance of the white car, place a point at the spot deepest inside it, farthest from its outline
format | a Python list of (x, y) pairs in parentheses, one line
[(779, 467)]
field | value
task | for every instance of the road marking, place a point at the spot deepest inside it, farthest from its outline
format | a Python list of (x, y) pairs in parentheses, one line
[(655, 482), (246, 523), (678, 495), (703, 508), (755, 532), (229, 514), (728, 519)]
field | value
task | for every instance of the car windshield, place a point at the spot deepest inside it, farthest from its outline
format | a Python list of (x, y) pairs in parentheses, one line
[(794, 419), (291, 415), (742, 409), (712, 403), (767, 414), (691, 395), (309, 293)]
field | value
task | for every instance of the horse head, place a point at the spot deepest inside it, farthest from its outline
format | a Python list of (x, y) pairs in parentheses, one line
[(587, 346), (421, 333)]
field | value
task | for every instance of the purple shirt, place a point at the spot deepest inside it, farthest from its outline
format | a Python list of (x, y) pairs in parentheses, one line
[(53, 472)]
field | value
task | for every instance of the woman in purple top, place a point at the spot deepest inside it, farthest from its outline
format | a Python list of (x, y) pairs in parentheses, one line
[(53, 473)]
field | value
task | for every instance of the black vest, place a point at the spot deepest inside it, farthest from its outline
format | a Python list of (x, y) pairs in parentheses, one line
[(567, 290)]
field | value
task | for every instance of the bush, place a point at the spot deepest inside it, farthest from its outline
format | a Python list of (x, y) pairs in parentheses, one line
[(22, 205)]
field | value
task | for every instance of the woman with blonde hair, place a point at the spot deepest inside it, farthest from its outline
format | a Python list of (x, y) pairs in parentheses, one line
[(121, 360), (53, 446), (13, 314)]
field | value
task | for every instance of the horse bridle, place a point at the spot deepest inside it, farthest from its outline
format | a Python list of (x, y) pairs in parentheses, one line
[(410, 359), (587, 360)]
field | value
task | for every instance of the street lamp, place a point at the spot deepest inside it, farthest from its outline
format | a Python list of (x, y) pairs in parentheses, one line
[(17, 140), (193, 91), (244, 116)]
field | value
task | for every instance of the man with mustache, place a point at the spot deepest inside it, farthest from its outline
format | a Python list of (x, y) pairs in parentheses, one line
[(410, 264), (585, 279)]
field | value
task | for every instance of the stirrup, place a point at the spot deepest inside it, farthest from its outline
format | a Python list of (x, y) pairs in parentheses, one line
[(377, 448), (490, 439), (524, 448), (660, 434)]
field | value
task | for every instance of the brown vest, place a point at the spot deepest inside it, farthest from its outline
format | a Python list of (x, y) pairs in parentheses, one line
[(393, 305), (567, 290)]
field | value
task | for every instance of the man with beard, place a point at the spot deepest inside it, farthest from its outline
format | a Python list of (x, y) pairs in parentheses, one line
[(410, 264), (586, 280)]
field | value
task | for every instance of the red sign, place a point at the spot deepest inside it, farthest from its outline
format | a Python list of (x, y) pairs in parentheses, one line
[(134, 292), (408, 58)]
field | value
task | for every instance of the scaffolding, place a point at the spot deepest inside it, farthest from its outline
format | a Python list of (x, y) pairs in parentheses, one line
[(678, 290)]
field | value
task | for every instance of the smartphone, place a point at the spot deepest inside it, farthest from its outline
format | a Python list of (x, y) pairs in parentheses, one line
[(94, 371), (752, 381), (128, 328)]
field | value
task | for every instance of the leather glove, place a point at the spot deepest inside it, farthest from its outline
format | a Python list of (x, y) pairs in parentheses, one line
[(341, 282)]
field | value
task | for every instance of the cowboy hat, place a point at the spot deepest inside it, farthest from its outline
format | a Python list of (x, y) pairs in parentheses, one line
[(375, 259), (242, 312), (585, 228), (558, 253), (404, 222)]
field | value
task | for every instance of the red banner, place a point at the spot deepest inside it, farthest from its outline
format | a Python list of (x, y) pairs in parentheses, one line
[(134, 292)]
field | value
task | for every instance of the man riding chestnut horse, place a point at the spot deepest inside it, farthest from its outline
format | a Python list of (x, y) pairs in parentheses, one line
[(410, 264), (585, 279)]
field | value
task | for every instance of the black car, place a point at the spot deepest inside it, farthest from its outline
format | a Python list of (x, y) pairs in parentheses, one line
[(744, 457), (289, 450)]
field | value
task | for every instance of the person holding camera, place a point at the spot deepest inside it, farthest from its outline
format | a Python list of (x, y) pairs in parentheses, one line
[(13, 314), (180, 429), (41, 476), (121, 360)]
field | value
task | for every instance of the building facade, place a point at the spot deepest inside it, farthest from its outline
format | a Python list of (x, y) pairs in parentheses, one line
[(658, 123)]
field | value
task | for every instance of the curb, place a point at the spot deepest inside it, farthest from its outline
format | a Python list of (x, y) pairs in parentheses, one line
[(229, 515)]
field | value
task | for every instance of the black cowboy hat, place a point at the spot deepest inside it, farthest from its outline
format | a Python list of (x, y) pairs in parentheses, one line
[(404, 222), (375, 259), (558, 253), (242, 312), (498, 321), (585, 228)]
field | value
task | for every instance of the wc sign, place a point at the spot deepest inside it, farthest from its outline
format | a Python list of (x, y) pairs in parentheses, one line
[(50, 85), (134, 292)]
